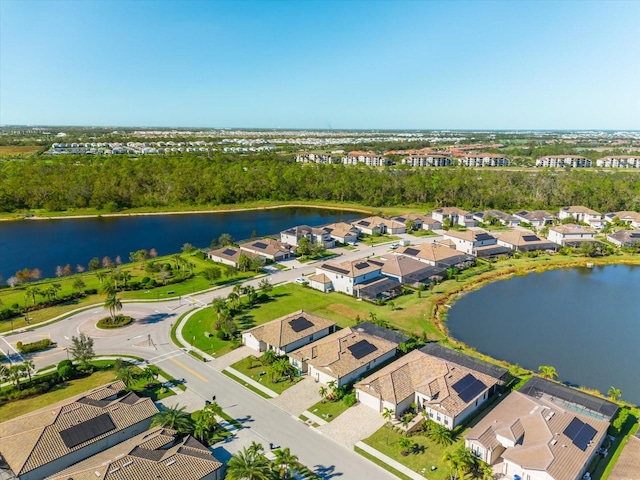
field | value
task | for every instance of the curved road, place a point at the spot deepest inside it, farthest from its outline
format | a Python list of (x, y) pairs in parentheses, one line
[(149, 338)]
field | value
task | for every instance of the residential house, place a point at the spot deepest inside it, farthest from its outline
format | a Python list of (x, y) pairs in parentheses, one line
[(476, 242), (627, 465), (437, 255), (269, 248), (447, 392), (504, 218), (343, 232), (228, 255), (43, 443), (455, 216), (314, 158), (321, 236), (409, 271), (524, 241), (559, 161), (483, 160), (154, 454), (417, 220), (371, 159), (373, 225), (619, 161), (629, 217), (625, 238), (427, 160), (285, 334), (359, 278), (536, 218), (570, 234), (430, 223), (582, 215), (541, 432), (343, 356)]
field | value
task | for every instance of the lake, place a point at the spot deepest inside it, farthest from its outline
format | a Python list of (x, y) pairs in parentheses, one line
[(44, 244), (584, 322)]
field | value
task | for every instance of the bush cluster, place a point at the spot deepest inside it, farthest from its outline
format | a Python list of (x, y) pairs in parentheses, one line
[(34, 346), (116, 322)]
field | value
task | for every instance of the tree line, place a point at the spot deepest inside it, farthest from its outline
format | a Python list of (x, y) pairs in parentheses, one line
[(116, 183)]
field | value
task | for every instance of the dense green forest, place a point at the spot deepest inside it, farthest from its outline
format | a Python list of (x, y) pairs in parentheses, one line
[(113, 183)]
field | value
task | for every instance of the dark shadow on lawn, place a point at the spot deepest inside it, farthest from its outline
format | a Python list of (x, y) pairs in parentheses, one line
[(245, 322)]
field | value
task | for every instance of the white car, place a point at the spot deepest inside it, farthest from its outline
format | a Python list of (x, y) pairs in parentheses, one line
[(394, 246), (301, 281)]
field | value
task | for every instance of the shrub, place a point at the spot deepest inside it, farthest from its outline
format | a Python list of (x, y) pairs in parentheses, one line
[(221, 335), (350, 399), (90, 291), (145, 280), (34, 346), (116, 322)]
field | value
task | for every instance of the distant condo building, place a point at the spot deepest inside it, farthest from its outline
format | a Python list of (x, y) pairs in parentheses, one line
[(314, 158), (370, 159), (619, 161), (573, 161), (427, 160), (483, 160)]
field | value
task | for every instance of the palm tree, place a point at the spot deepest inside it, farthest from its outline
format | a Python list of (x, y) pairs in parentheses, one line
[(200, 428), (256, 448), (285, 462), (151, 373), (323, 393), (210, 412), (614, 393), (29, 367), (31, 292), (440, 434), (79, 284), (547, 371), (268, 357), (387, 414), (174, 418), (451, 459), (127, 375), (218, 305), (247, 465), (109, 289), (404, 444), (15, 374), (113, 303)]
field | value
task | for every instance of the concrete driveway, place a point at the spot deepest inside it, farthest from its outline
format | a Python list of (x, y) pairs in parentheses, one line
[(297, 399), (355, 424)]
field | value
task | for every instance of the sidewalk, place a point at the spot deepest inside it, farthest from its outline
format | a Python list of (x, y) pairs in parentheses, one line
[(390, 461)]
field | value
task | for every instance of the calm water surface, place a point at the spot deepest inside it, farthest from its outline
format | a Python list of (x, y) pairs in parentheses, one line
[(47, 243), (584, 322)]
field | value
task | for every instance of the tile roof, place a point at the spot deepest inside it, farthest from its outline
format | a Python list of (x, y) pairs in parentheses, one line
[(524, 238), (579, 209), (470, 235), (572, 229), (433, 252), (404, 266), (451, 211), (34, 440), (266, 245), (153, 454), (320, 278), (534, 215), (628, 464), (332, 356), (541, 426), (280, 332), (341, 229), (375, 221), (626, 216), (230, 253), (420, 372), (353, 268)]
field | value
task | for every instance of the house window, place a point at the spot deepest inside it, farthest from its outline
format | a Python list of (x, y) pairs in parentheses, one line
[(476, 402), (368, 366), (431, 414), (439, 418), (311, 338), (446, 421)]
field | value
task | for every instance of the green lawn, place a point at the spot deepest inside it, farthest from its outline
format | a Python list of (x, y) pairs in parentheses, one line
[(372, 240), (56, 394), (258, 373), (194, 333), (328, 410), (246, 385), (423, 233), (424, 453)]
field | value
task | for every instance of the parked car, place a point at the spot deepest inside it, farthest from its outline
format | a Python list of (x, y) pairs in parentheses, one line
[(301, 281)]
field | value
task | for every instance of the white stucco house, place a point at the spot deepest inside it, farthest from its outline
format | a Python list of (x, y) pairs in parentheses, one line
[(570, 233), (343, 356), (582, 214), (437, 255), (321, 236), (455, 216), (285, 334)]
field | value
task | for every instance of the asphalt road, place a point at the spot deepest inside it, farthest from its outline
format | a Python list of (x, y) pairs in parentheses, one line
[(149, 338)]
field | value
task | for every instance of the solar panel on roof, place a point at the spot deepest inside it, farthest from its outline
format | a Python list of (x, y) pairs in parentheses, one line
[(229, 252), (361, 349), (363, 223), (260, 245), (573, 428), (299, 324), (584, 437), (335, 269), (361, 265), (412, 251), (483, 236), (530, 238), (468, 387), (87, 430)]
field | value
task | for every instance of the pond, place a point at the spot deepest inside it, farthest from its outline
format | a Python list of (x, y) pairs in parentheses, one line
[(45, 244), (584, 322)]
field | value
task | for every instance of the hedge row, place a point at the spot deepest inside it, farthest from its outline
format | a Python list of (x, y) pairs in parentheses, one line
[(35, 346)]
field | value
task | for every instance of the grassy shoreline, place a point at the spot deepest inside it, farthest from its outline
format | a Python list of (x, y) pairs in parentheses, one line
[(189, 209)]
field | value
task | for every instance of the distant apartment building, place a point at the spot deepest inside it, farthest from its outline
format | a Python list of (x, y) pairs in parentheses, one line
[(314, 158), (427, 160), (483, 160), (619, 161), (559, 161), (371, 159)]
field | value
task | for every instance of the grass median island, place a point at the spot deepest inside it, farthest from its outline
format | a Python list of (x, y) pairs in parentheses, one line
[(329, 409)]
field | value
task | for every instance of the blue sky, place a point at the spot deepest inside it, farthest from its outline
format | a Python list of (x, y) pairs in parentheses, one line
[(312, 64)]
